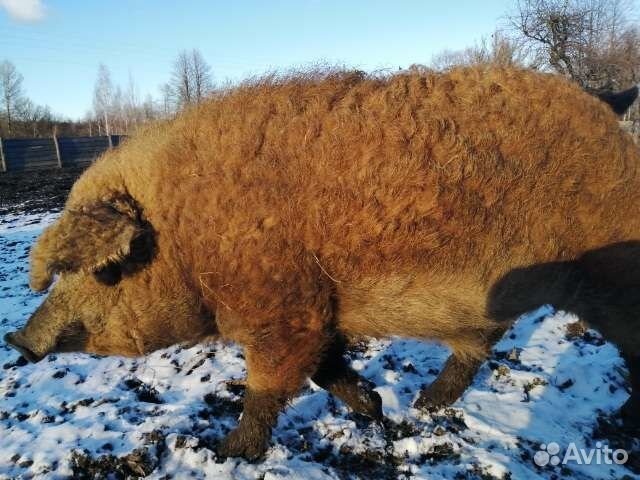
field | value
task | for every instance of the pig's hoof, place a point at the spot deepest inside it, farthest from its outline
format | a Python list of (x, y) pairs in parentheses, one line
[(243, 442), (360, 396), (438, 394)]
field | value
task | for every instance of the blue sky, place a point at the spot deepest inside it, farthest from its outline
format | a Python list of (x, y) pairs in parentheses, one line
[(58, 44)]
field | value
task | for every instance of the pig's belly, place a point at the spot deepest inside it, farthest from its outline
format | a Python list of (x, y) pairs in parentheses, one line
[(411, 305)]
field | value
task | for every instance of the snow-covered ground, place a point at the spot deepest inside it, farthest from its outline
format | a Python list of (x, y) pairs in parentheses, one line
[(80, 416)]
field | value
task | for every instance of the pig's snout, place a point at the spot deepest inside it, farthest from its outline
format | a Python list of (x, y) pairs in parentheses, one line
[(17, 341)]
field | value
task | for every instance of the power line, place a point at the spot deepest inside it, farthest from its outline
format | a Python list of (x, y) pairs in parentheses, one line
[(118, 48)]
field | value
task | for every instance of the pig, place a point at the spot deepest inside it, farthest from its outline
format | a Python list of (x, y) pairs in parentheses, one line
[(294, 213)]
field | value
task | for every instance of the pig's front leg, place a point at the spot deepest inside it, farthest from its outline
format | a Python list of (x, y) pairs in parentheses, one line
[(251, 438), (279, 359)]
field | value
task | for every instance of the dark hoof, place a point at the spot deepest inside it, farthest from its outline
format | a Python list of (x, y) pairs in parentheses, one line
[(251, 445)]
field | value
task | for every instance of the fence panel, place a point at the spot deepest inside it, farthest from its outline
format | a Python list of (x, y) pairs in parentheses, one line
[(81, 151), (116, 140), (26, 154), (29, 154)]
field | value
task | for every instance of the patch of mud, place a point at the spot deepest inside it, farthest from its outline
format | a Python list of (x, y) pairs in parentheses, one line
[(140, 463), (35, 192)]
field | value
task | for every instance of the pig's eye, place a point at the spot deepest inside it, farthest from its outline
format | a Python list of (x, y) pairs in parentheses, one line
[(109, 275)]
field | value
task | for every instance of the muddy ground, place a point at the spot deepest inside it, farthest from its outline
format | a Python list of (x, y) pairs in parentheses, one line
[(35, 192)]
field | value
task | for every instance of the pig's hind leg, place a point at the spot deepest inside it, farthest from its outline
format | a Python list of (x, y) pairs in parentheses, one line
[(450, 309), (450, 384), (336, 376), (470, 347), (460, 368)]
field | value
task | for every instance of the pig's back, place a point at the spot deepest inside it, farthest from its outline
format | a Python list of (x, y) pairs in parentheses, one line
[(472, 170)]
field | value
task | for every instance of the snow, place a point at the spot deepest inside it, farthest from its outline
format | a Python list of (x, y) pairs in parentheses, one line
[(171, 407)]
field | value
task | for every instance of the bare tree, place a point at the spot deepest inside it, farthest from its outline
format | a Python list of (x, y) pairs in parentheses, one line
[(11, 93), (89, 119), (36, 119), (499, 50), (148, 108), (117, 109), (113, 109), (201, 75), (190, 79), (166, 99), (103, 97), (581, 39), (181, 80), (119, 121), (132, 110), (625, 57)]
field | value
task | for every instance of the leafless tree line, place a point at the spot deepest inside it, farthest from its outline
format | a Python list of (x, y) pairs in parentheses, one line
[(118, 110), (190, 80), (19, 116), (115, 109), (121, 111), (498, 49), (595, 43)]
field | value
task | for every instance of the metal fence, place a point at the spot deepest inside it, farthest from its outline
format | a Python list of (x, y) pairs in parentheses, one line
[(26, 154)]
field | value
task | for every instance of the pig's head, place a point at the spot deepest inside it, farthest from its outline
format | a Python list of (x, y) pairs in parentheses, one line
[(114, 294)]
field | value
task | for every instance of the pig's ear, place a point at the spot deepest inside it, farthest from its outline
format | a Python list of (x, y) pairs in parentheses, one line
[(92, 238), (620, 101)]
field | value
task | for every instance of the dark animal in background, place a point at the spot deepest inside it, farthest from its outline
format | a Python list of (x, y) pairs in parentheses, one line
[(293, 213), (621, 101)]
